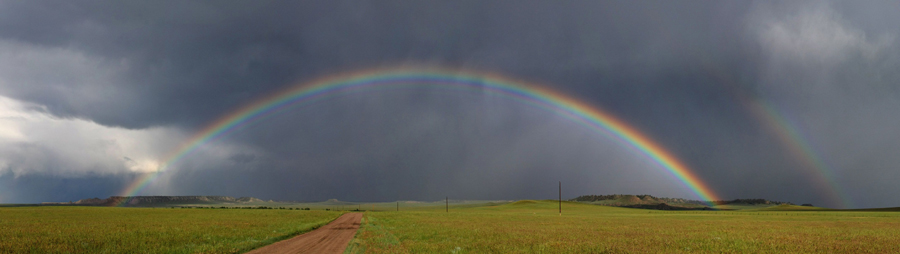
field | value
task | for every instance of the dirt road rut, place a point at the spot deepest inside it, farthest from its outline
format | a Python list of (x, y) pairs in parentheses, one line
[(331, 238)]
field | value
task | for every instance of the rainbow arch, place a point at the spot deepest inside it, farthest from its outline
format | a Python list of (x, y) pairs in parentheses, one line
[(532, 94)]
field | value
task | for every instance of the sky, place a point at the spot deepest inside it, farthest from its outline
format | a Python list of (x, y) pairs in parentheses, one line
[(790, 101)]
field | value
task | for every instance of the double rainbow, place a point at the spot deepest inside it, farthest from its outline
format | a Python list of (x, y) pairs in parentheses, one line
[(496, 85)]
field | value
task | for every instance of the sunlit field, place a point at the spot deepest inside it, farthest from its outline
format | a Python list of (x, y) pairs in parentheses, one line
[(149, 230), (537, 227)]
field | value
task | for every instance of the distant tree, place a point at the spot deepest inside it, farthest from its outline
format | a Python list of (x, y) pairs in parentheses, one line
[(806, 205)]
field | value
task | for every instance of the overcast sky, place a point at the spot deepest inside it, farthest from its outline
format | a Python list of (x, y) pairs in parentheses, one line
[(95, 93)]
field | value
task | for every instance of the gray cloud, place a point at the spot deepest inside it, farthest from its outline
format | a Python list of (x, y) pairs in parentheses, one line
[(679, 71), (838, 83)]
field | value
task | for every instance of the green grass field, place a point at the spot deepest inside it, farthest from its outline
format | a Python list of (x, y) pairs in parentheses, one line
[(536, 227), (469, 227), (149, 230)]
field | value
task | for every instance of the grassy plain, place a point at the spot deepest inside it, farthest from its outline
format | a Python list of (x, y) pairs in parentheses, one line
[(351, 206), (149, 230), (536, 227), (386, 206)]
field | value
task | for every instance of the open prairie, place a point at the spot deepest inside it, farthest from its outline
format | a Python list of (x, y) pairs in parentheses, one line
[(490, 227), (537, 227), (149, 230)]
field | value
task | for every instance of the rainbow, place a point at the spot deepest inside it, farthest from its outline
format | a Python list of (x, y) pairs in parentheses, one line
[(793, 139), (493, 84), (790, 137)]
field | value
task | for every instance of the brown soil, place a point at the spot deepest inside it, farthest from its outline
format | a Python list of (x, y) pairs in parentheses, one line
[(632, 200), (331, 238)]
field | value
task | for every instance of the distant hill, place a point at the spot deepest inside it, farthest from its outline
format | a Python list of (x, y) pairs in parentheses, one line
[(334, 201), (147, 201), (625, 199), (662, 203), (757, 201)]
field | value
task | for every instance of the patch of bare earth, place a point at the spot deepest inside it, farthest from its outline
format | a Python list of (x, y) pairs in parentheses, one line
[(331, 238)]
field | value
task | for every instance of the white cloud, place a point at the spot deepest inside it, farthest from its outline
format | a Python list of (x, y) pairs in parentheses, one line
[(816, 34), (33, 141), (813, 54)]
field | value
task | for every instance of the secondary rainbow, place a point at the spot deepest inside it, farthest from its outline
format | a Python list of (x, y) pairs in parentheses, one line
[(789, 135), (542, 97), (793, 139)]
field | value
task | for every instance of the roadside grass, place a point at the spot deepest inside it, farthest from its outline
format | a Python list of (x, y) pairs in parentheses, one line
[(372, 235), (536, 227), (149, 230)]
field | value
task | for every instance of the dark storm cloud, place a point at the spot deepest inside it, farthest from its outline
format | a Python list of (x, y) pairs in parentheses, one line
[(680, 71), (187, 62)]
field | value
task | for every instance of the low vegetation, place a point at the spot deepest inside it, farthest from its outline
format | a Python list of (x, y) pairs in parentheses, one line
[(149, 230), (537, 227), (527, 226)]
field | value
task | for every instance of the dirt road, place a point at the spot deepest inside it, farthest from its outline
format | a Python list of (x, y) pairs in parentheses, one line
[(331, 238)]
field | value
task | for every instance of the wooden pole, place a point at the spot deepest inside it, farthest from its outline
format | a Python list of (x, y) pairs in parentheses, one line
[(398, 206), (447, 202), (560, 198)]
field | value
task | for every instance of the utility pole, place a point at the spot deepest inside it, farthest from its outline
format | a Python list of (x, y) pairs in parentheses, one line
[(560, 198), (447, 202), (398, 206)]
